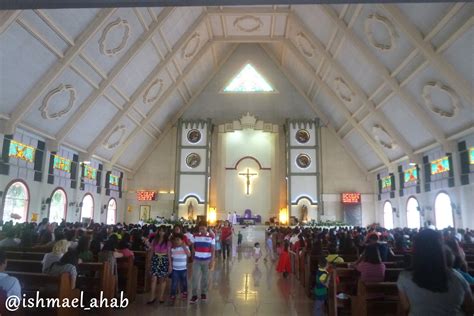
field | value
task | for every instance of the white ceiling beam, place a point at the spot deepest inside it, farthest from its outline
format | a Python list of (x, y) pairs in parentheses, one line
[(211, 35), (7, 18), (332, 40), (180, 112), (316, 109), (55, 71), (366, 103), (340, 106), (247, 11), (457, 82), (417, 109), (248, 39), (159, 103), (113, 74), (461, 30), (144, 85)]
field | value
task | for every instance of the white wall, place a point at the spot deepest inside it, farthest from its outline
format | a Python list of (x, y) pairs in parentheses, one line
[(341, 174), (156, 173), (461, 195), (40, 191)]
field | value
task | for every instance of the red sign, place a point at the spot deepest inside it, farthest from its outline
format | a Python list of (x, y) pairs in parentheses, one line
[(350, 198), (146, 195)]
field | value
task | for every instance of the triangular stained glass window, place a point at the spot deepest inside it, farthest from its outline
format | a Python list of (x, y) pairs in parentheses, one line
[(248, 80)]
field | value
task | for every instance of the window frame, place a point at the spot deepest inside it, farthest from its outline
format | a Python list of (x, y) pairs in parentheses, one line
[(115, 211), (391, 214), (452, 210), (406, 210), (93, 206), (4, 198), (65, 204)]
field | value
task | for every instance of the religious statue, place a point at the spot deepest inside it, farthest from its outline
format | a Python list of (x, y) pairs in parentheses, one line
[(190, 211), (248, 175), (304, 213)]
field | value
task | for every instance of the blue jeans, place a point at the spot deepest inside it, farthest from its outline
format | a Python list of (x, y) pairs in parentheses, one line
[(181, 277), (319, 308)]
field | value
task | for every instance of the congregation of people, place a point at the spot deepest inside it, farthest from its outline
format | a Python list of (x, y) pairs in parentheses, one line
[(436, 279)]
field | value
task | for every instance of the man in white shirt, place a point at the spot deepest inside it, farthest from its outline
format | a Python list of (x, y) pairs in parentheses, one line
[(9, 284), (234, 218)]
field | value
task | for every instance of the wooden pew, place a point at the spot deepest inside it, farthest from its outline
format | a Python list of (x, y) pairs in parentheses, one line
[(388, 265), (347, 284), (376, 299), (143, 264), (127, 277), (25, 255), (92, 277), (49, 287)]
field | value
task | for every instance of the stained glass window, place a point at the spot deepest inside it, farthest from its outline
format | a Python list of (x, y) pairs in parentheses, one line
[(16, 203), (90, 173), (440, 165), (471, 155), (387, 183), (248, 80), (62, 163), (57, 208), (21, 151), (411, 175), (111, 212), (113, 180)]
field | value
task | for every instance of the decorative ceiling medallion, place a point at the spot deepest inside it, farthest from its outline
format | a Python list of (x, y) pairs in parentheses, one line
[(343, 90), (303, 161), (383, 137), (302, 136), (305, 45), (194, 136), (118, 23), (158, 83), (392, 33), (191, 47), (120, 132), (248, 23), (61, 88), (193, 160), (426, 94)]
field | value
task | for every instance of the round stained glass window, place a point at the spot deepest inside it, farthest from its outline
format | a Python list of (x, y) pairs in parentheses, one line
[(194, 136), (303, 161), (193, 160), (302, 136)]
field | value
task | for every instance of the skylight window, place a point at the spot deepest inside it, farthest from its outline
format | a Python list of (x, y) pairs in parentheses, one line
[(248, 80)]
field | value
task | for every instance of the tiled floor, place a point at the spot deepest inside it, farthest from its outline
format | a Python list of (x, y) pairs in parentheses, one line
[(239, 287)]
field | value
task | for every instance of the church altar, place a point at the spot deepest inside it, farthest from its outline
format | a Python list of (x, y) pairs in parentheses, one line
[(247, 218)]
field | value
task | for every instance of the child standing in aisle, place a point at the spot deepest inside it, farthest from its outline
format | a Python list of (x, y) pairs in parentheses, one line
[(257, 252), (321, 289), (179, 258), (239, 238)]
